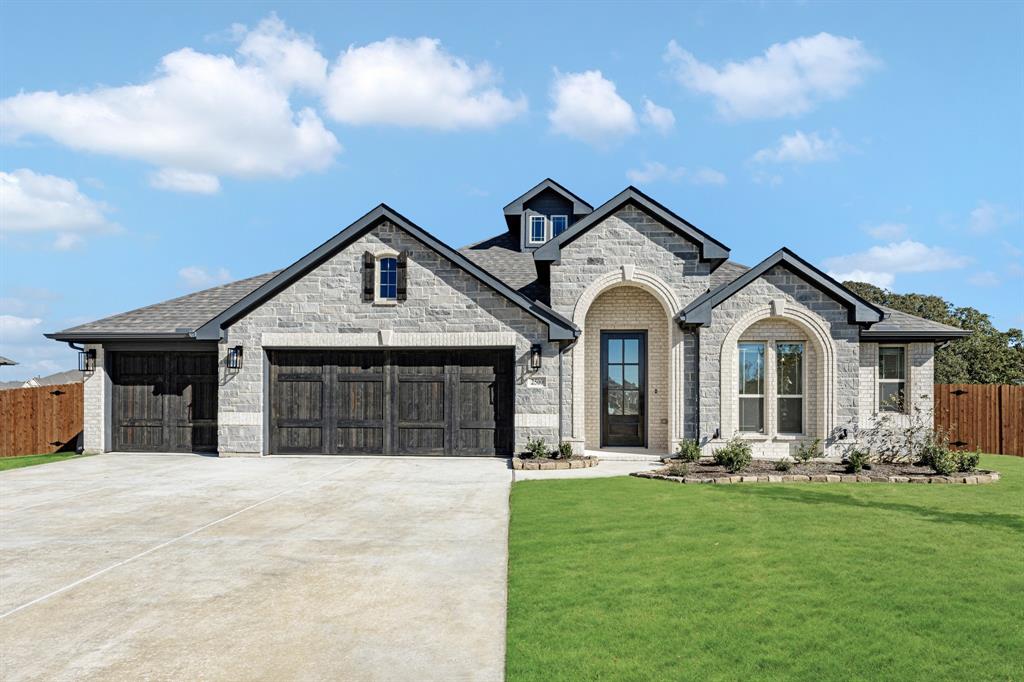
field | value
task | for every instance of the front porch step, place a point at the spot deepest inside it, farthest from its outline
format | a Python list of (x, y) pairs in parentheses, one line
[(626, 455)]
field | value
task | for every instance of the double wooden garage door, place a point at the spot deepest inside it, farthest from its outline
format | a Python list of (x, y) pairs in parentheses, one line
[(164, 401), (452, 402)]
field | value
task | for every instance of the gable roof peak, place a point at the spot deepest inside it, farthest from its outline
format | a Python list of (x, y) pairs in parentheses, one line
[(579, 205)]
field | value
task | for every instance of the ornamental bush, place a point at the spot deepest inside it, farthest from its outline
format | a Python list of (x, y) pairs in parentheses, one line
[(536, 448), (677, 468), (688, 450), (735, 455), (967, 461), (565, 450), (806, 451), (856, 460), (784, 464)]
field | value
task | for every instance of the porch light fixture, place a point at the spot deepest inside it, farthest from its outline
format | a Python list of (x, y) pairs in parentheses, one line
[(235, 357), (87, 360), (535, 356)]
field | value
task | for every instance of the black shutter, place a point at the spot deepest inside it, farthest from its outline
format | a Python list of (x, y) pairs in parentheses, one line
[(401, 289), (368, 265)]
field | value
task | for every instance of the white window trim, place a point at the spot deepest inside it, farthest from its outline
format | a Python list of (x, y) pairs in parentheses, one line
[(377, 258), (529, 227), (905, 380), (803, 387), (762, 395), (552, 221)]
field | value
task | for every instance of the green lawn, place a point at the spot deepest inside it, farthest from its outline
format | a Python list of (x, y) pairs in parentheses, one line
[(32, 460), (624, 578)]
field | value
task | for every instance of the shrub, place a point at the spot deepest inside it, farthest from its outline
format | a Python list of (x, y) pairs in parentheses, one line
[(536, 448), (942, 460), (677, 468), (784, 464), (565, 450), (856, 461), (688, 450), (967, 461), (805, 451), (735, 455)]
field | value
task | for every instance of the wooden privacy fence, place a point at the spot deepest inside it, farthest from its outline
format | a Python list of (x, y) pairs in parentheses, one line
[(39, 420), (986, 416)]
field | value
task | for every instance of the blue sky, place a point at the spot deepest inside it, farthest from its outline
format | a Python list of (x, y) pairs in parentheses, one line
[(148, 150)]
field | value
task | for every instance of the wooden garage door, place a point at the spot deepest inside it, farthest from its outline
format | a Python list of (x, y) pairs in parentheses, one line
[(164, 402), (391, 402)]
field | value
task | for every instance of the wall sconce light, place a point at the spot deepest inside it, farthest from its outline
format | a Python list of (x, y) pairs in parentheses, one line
[(718, 434), (235, 357), (87, 360), (843, 434), (535, 356)]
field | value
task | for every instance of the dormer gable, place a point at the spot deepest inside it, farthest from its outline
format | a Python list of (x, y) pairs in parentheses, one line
[(544, 212)]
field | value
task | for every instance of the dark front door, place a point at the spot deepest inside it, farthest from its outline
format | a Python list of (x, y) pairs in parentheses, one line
[(426, 402), (623, 389), (164, 401)]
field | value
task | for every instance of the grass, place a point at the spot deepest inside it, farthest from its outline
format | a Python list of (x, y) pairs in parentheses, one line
[(624, 578), (31, 460)]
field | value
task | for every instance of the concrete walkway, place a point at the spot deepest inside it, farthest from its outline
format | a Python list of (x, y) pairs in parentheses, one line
[(177, 567)]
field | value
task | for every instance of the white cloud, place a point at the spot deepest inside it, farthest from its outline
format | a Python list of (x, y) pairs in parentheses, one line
[(988, 217), (178, 180), (14, 329), (660, 118), (886, 231), (788, 79), (416, 83), (879, 279), (200, 113), (194, 277), (801, 148), (654, 171), (33, 202), (882, 263), (587, 108), (986, 278), (289, 59), (68, 241), (761, 177)]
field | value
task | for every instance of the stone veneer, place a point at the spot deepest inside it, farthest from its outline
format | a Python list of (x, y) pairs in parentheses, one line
[(445, 306)]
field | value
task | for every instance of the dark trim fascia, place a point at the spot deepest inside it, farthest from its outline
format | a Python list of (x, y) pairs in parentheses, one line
[(579, 206), (863, 312), (191, 345), (897, 336), (711, 250), (99, 337), (558, 326)]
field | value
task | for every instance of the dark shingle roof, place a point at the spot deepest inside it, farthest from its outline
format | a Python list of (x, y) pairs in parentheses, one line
[(189, 311), (725, 273), (6, 361), (500, 256)]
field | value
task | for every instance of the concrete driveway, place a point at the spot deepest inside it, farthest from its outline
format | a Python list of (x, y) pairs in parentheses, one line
[(131, 567)]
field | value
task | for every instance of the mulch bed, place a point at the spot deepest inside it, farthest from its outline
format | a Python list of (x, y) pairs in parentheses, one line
[(820, 471)]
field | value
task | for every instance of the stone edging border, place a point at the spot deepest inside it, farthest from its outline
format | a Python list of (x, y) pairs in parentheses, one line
[(532, 465), (975, 479)]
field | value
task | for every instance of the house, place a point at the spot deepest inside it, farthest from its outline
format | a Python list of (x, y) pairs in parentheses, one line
[(616, 327), (70, 376)]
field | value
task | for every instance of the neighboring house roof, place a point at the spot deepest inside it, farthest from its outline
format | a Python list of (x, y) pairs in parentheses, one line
[(860, 310), (174, 318), (6, 361), (70, 376), (9, 385), (517, 205), (558, 326)]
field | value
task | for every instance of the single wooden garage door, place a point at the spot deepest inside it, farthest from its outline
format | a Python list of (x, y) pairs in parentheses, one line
[(444, 402), (164, 402)]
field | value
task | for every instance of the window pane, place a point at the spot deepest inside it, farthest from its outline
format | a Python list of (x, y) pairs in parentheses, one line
[(752, 414), (537, 228), (614, 350), (559, 223), (790, 360), (388, 278), (891, 363), (614, 376), (752, 368), (632, 376), (632, 350), (890, 396), (791, 418), (631, 402)]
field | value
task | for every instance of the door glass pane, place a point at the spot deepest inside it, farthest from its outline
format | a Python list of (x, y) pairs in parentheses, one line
[(790, 368), (632, 350), (614, 376), (890, 363), (752, 414), (614, 350), (631, 402), (752, 368), (632, 376), (614, 402), (791, 418)]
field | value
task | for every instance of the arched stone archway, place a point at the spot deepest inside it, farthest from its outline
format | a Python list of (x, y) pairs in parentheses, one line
[(628, 276)]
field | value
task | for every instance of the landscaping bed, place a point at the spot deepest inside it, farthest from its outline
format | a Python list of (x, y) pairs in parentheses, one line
[(763, 471), (551, 463)]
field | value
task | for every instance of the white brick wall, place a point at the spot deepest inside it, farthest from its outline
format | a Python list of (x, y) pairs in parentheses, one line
[(95, 394), (920, 391)]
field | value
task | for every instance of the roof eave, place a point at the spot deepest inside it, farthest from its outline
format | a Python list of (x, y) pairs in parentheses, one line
[(90, 337), (901, 335)]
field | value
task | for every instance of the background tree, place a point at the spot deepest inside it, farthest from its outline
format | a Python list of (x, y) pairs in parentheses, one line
[(988, 356)]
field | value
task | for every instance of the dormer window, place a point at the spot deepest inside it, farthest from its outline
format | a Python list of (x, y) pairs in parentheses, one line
[(538, 229), (559, 224)]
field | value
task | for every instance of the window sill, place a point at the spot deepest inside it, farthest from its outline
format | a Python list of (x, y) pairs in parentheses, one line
[(385, 302)]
